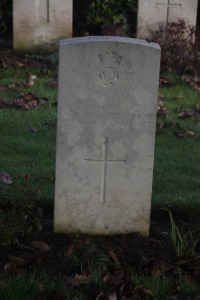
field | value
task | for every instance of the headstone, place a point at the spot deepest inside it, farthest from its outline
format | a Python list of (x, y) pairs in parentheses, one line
[(155, 13), (41, 23), (105, 135)]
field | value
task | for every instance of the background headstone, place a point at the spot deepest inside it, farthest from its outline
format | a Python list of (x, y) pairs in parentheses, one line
[(155, 13), (41, 23), (105, 135)]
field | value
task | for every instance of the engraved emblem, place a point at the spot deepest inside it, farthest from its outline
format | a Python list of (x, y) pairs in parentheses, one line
[(108, 74)]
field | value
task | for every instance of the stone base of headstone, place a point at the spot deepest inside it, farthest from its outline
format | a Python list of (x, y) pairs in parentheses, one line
[(41, 23)]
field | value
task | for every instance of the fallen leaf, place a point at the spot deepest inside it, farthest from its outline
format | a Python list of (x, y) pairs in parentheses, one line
[(5, 178), (162, 111), (198, 107), (17, 259), (2, 103), (76, 280), (12, 85), (19, 64), (11, 267), (53, 84), (18, 102), (160, 104), (161, 96), (186, 113), (184, 134), (113, 257), (30, 105), (28, 96), (42, 101), (106, 278), (72, 246), (166, 82), (148, 292), (30, 80), (82, 278), (31, 130), (177, 97), (26, 107), (41, 246)]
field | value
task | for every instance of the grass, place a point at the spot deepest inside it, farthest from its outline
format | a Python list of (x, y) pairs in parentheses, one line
[(22, 287), (183, 244), (23, 152), (176, 168)]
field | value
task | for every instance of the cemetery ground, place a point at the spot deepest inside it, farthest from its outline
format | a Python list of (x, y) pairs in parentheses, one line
[(38, 264)]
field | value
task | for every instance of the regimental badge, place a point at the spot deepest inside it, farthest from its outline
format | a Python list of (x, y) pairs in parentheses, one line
[(109, 74)]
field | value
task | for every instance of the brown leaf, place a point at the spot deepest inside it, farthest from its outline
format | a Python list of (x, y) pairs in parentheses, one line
[(106, 278), (166, 82), (161, 96), (160, 104), (81, 278), (162, 111), (17, 259), (41, 246), (32, 130), (18, 102), (32, 104), (184, 134), (11, 267), (19, 64), (113, 257), (198, 107), (177, 97), (28, 96), (53, 84), (148, 292), (70, 250), (42, 101), (29, 105), (186, 113), (77, 280), (12, 85), (107, 296), (72, 246)]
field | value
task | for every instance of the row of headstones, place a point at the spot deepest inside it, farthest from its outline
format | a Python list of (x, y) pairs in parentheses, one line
[(44, 22), (106, 124)]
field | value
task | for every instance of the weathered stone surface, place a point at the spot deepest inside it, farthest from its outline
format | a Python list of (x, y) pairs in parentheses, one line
[(41, 23), (154, 13), (105, 136)]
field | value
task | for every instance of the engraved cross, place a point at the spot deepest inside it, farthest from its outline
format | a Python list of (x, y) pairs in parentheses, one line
[(104, 161), (43, 11), (168, 5), (48, 17)]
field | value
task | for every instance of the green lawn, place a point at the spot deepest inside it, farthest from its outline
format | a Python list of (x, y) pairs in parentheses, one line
[(177, 161), (24, 152), (176, 168)]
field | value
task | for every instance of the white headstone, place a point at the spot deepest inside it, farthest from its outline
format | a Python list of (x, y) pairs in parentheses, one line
[(105, 136), (41, 22), (155, 13)]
